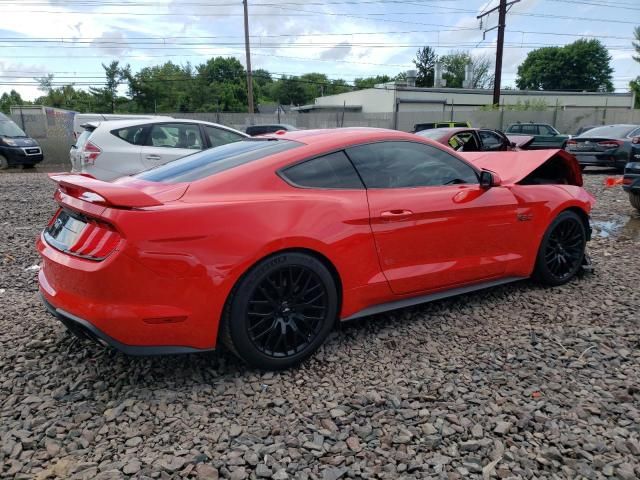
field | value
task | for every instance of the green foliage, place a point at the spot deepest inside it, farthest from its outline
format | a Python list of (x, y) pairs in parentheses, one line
[(370, 82), (13, 98), (425, 62), (634, 85), (454, 65), (581, 65)]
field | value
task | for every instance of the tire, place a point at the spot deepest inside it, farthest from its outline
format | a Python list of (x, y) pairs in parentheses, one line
[(4, 163), (562, 250), (280, 311), (634, 198)]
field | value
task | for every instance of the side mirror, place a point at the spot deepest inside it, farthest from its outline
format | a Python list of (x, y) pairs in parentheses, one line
[(489, 179)]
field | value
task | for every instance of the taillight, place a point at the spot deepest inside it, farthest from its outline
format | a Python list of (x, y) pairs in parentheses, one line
[(627, 181), (89, 153), (635, 140), (96, 242), (571, 142), (610, 143)]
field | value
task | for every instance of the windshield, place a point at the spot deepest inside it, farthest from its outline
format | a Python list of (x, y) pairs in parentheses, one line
[(10, 129), (610, 131), (218, 159)]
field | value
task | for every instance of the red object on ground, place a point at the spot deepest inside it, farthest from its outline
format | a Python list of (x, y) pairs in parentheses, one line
[(613, 181), (151, 263)]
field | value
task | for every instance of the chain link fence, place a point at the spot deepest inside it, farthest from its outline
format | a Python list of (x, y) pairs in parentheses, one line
[(53, 128)]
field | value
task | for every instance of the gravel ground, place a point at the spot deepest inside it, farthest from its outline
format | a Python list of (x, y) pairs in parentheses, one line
[(513, 382)]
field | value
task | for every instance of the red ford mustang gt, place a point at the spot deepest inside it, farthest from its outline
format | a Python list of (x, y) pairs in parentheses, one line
[(264, 244)]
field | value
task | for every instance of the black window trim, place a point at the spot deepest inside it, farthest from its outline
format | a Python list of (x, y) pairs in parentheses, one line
[(280, 172), (146, 128)]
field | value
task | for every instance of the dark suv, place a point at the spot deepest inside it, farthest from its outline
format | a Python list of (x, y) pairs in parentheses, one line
[(16, 148)]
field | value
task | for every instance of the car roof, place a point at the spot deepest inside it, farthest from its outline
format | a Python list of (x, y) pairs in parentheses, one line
[(114, 124), (343, 136)]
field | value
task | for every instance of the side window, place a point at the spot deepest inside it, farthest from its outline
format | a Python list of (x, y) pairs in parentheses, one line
[(635, 133), (329, 171), (515, 129), (490, 140), (133, 135), (175, 135), (529, 129), (219, 136), (546, 130), (408, 164)]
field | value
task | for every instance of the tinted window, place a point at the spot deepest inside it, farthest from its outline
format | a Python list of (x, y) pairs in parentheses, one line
[(330, 171), (134, 135), (515, 128), (546, 130), (408, 164), (262, 129), (529, 129), (175, 135), (209, 162), (220, 136), (609, 131)]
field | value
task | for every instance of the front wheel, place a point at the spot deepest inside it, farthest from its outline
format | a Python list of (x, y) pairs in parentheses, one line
[(634, 198), (4, 163), (281, 311), (561, 250)]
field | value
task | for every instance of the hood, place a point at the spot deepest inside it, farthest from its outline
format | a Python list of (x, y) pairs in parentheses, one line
[(513, 167), (521, 141), (22, 141)]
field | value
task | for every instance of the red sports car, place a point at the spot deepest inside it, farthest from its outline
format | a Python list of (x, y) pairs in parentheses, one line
[(264, 244)]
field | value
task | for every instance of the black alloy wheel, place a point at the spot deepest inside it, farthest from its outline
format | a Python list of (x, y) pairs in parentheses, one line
[(286, 311), (562, 250), (281, 311)]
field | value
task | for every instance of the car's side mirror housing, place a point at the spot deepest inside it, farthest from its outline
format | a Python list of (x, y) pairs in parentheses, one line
[(489, 179)]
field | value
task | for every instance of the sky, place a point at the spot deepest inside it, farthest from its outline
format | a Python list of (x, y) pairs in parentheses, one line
[(341, 38)]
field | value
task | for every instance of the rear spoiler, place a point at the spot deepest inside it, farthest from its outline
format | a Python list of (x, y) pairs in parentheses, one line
[(102, 193)]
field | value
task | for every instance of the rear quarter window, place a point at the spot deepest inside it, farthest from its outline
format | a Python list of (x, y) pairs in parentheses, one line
[(333, 171), (135, 135)]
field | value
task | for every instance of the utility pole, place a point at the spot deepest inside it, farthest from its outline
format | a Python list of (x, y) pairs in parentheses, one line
[(502, 15), (248, 52)]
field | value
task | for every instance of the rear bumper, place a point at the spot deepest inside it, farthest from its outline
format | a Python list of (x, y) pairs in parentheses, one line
[(126, 304), (599, 159), (87, 331), (631, 179), (19, 156)]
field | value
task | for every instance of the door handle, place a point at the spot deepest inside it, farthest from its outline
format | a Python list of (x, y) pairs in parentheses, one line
[(153, 157), (396, 214)]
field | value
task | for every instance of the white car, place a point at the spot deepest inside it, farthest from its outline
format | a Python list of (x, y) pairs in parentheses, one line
[(80, 119), (112, 149)]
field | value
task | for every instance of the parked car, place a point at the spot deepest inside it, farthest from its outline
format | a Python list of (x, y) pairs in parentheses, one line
[(418, 127), (585, 128), (263, 244), (544, 135), (112, 149), (607, 146), (631, 182), (475, 139), (16, 147), (254, 130), (80, 119)]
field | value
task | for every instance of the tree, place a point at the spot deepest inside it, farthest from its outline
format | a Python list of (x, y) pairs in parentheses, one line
[(634, 85), (455, 63), (425, 63), (370, 82), (581, 65), (7, 100), (106, 97)]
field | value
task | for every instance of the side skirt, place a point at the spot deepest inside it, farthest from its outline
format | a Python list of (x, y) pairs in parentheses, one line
[(408, 302)]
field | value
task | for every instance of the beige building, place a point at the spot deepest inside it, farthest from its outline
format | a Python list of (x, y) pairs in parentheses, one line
[(388, 98)]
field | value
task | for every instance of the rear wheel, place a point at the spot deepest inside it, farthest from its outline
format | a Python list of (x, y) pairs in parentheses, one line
[(281, 311), (561, 250), (4, 163), (634, 198)]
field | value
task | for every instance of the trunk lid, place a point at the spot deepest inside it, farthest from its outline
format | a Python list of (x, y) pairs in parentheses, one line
[(593, 144)]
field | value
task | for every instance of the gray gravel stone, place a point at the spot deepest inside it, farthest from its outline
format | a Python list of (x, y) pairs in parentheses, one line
[(516, 382)]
